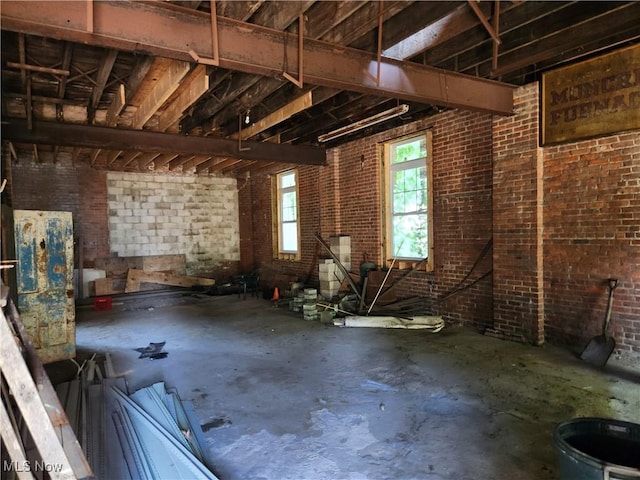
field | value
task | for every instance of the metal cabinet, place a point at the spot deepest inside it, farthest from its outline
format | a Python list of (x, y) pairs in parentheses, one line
[(44, 250)]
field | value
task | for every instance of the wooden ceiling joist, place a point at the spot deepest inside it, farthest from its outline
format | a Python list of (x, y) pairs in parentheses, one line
[(298, 105), (197, 84), (146, 27), (53, 133), (162, 90), (101, 81)]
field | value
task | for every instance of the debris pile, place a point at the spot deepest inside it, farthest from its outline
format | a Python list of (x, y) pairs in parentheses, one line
[(150, 433)]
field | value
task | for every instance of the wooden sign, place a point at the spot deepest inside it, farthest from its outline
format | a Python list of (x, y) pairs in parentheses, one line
[(597, 97)]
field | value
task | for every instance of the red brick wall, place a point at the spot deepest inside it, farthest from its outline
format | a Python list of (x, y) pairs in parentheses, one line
[(517, 286), (345, 198), (78, 189), (566, 218), (591, 233)]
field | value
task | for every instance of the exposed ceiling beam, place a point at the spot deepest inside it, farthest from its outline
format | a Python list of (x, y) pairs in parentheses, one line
[(101, 81), (250, 48), (457, 22), (161, 91), (53, 133), (197, 84), (118, 103), (296, 106)]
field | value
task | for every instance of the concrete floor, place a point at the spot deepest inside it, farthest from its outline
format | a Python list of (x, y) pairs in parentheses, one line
[(284, 398)]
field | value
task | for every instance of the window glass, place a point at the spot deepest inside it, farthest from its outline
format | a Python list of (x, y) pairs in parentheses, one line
[(408, 215)]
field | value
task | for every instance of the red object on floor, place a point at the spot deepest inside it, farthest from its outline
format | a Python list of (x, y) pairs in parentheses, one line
[(102, 303)]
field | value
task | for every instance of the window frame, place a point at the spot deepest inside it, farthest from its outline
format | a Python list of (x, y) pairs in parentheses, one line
[(387, 214), (278, 251)]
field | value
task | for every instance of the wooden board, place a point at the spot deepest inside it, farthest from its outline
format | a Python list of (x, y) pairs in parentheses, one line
[(104, 286), (136, 277), (119, 266)]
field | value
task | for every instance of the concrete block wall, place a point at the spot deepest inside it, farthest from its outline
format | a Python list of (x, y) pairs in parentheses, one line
[(162, 214)]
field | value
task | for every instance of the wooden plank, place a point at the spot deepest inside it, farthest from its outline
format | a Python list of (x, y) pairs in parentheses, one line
[(196, 85), (118, 103), (27, 398), (280, 115), (136, 277), (13, 444), (104, 286), (160, 92), (175, 264)]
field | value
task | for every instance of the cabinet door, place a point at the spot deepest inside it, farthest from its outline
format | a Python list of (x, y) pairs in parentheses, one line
[(44, 249)]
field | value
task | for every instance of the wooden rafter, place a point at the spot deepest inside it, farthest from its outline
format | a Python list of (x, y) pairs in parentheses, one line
[(194, 86), (162, 90), (101, 80), (62, 86), (296, 106)]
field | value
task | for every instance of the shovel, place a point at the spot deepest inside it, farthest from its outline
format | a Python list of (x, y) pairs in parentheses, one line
[(599, 349)]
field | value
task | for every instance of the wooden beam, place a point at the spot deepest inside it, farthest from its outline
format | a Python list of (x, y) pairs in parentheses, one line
[(37, 68), (136, 277), (483, 20), (101, 81), (160, 93), (207, 164), (196, 85), (163, 160), (62, 85), (118, 103), (147, 159), (158, 29), (296, 106), (130, 157), (223, 164), (89, 136), (25, 393)]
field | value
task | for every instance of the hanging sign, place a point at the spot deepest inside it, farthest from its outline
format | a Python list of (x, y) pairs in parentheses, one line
[(597, 97)]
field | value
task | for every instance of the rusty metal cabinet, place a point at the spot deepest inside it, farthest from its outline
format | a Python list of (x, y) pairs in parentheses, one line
[(44, 250)]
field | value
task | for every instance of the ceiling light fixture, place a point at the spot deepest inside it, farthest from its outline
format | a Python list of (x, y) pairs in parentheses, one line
[(364, 123), (246, 117)]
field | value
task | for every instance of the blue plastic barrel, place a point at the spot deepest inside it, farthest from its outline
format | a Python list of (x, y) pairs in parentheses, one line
[(598, 449)]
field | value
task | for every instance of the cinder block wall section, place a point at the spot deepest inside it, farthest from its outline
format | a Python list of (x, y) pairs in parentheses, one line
[(165, 214), (63, 186)]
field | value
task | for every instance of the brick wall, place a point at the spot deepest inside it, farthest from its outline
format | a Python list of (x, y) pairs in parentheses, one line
[(591, 233), (566, 218), (517, 286), (345, 198), (162, 214), (78, 189)]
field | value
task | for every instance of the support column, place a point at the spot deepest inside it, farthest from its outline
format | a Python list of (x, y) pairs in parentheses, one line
[(518, 292)]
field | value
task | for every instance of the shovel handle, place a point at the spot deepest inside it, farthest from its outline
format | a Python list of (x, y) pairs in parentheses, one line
[(613, 283)]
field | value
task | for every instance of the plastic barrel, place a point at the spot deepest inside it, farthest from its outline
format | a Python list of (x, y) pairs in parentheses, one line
[(597, 449)]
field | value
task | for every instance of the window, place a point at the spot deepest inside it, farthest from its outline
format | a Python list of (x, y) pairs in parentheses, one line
[(286, 218), (408, 198)]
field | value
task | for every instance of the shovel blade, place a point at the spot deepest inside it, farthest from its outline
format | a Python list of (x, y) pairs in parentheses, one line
[(598, 350)]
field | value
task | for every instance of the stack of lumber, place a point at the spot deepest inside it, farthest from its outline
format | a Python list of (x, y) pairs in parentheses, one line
[(143, 273)]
